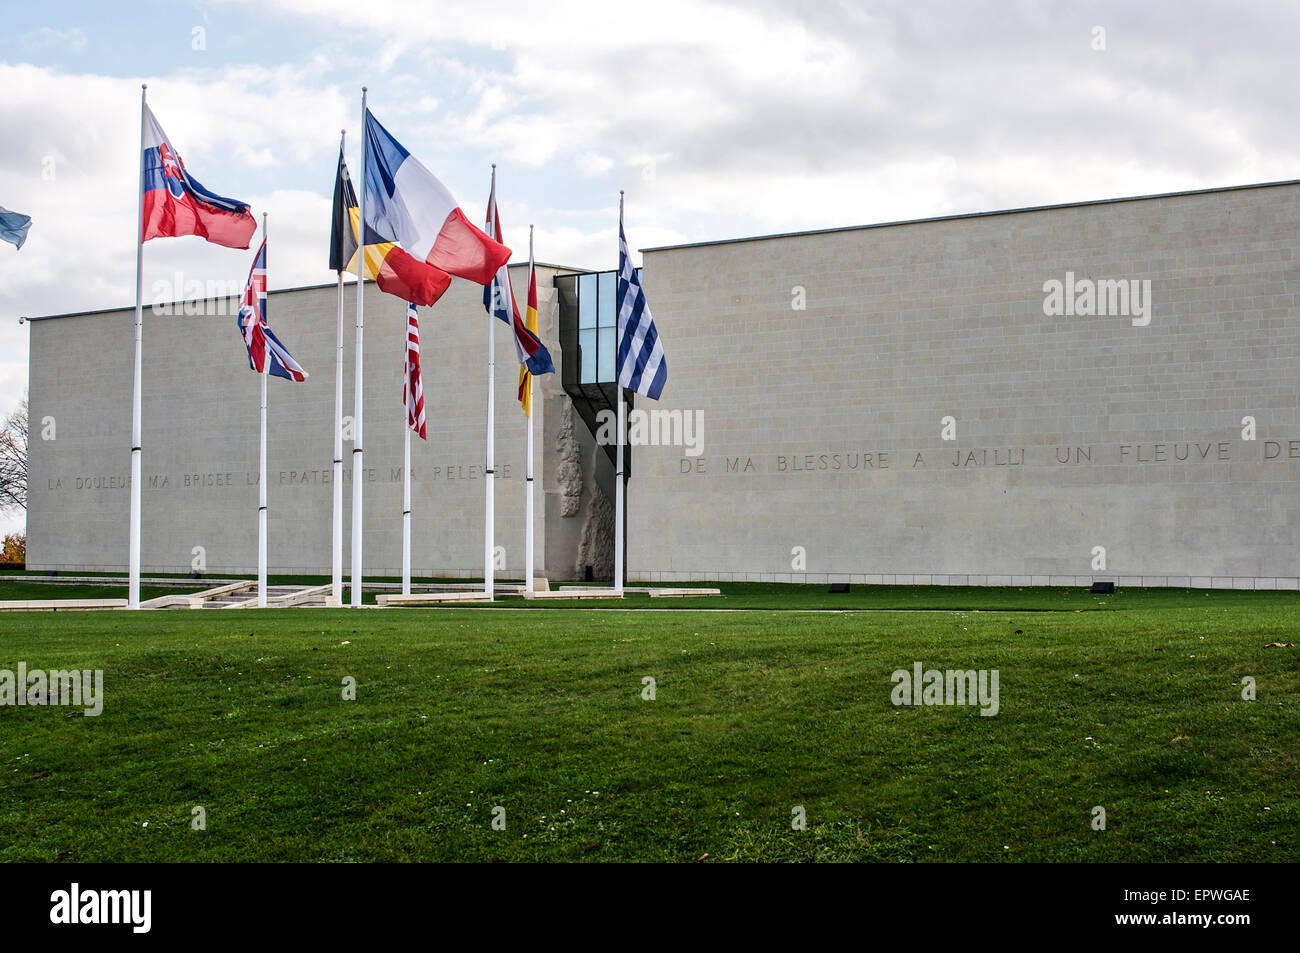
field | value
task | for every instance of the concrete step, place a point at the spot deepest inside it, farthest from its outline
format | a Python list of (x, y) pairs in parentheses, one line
[(54, 605), (277, 597), (575, 593), (430, 598), (654, 592)]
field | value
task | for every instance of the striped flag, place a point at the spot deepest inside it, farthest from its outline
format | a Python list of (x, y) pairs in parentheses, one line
[(499, 299), (642, 367), (396, 272), (530, 322), (259, 339), (408, 206), (343, 222), (412, 389), (175, 203)]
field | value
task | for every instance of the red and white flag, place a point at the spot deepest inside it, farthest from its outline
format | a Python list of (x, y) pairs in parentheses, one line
[(412, 389), (407, 205), (176, 203), (258, 337)]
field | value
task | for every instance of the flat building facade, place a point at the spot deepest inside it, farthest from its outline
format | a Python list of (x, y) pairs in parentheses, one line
[(1099, 391)]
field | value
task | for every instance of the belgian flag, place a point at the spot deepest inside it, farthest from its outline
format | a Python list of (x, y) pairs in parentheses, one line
[(343, 233), (396, 272)]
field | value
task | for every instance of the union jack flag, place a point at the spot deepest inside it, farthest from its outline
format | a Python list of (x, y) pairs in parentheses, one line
[(259, 339), (412, 389)]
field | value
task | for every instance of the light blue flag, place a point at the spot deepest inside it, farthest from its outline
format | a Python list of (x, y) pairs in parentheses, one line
[(13, 226)]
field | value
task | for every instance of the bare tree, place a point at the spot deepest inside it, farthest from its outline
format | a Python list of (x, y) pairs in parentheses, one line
[(13, 460)]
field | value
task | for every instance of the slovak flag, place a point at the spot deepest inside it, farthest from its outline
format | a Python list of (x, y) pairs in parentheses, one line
[(406, 204), (499, 299), (258, 336), (175, 203)]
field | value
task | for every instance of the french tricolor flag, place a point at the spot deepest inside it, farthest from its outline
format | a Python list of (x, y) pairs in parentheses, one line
[(175, 203), (405, 203)]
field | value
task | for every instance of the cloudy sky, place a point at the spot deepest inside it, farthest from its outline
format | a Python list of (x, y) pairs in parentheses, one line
[(719, 119)]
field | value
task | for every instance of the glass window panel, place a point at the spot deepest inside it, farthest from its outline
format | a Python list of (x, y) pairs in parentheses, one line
[(587, 360), (608, 299), (608, 352), (586, 301)]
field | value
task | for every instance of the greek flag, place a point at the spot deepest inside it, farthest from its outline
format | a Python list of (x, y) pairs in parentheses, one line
[(642, 367)]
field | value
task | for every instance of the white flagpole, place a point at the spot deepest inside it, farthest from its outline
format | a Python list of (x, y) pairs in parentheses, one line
[(357, 458), (489, 475), (528, 452), (261, 480), (618, 469), (133, 551), (336, 560), (406, 510)]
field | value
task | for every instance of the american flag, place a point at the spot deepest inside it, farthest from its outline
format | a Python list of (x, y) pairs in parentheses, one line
[(259, 339), (412, 389)]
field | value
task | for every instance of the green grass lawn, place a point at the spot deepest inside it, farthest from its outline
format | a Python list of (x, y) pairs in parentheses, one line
[(755, 595), (784, 596), (17, 589), (459, 710)]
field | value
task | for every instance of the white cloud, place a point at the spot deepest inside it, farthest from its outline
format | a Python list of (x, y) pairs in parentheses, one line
[(779, 117), (593, 163), (720, 121)]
